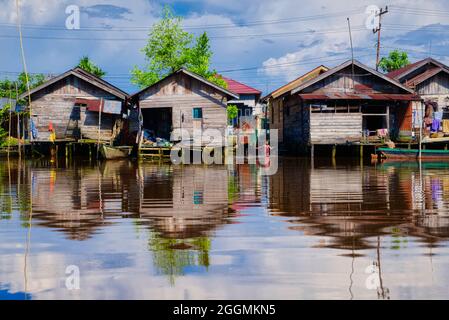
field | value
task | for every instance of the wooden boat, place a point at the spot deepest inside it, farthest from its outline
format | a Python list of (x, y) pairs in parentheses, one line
[(413, 154), (111, 153)]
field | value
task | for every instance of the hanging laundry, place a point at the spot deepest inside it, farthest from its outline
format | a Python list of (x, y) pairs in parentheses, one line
[(436, 125), (34, 131), (438, 115), (52, 132), (446, 126), (382, 132)]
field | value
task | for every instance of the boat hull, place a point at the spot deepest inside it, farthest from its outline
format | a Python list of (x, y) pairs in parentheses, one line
[(111, 153), (413, 154)]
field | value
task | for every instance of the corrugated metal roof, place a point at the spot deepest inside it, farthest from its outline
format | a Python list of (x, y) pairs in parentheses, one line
[(193, 75), (345, 65), (84, 75), (397, 73), (401, 73), (360, 96), (424, 76), (95, 105), (298, 81), (240, 88)]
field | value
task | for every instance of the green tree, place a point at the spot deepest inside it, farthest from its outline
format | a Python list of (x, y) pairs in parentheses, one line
[(233, 112), (198, 61), (8, 90), (8, 87), (396, 60), (87, 65), (170, 48)]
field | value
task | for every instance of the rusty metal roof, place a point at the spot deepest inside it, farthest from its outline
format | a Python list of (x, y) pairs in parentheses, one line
[(401, 73), (424, 76), (359, 96), (344, 65)]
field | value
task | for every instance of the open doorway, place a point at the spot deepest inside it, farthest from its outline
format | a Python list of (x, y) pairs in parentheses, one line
[(159, 121)]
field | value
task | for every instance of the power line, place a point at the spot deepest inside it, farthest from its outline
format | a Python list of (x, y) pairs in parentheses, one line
[(242, 36), (209, 26)]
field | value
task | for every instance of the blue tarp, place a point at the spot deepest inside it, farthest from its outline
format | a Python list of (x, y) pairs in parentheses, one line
[(20, 108)]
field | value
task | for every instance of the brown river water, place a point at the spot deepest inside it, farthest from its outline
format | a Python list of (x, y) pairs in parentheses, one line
[(339, 230)]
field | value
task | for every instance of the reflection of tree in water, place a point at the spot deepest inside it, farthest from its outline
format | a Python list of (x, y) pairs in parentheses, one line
[(14, 190), (171, 257)]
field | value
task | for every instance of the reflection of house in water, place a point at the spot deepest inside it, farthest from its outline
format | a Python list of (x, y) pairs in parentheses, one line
[(182, 205), (425, 193), (79, 200), (184, 201), (349, 206)]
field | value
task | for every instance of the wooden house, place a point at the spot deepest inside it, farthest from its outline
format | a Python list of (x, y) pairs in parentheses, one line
[(349, 104), (274, 100), (429, 78), (248, 102), (69, 105), (183, 100)]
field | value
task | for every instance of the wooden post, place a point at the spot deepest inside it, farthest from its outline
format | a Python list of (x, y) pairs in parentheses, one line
[(312, 154), (10, 111), (334, 151), (18, 122), (361, 151), (99, 128), (420, 130)]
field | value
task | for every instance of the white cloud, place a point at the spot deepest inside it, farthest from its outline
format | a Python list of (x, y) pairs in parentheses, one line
[(233, 46)]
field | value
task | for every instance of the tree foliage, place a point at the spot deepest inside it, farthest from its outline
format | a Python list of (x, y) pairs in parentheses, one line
[(87, 65), (8, 90), (233, 112), (8, 87), (170, 48), (396, 60), (198, 61)]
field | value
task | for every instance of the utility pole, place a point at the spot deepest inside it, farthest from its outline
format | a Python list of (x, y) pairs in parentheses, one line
[(377, 30), (352, 53)]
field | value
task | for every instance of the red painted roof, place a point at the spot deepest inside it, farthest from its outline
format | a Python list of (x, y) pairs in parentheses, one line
[(240, 88)]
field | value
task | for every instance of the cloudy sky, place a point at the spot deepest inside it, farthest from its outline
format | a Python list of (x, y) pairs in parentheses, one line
[(262, 43)]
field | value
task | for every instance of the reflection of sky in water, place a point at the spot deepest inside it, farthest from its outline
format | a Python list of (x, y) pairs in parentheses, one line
[(197, 233)]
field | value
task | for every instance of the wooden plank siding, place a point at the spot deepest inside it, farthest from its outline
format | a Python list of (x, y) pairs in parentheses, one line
[(182, 94), (55, 104), (335, 128)]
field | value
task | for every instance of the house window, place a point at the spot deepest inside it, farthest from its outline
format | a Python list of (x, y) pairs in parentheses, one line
[(197, 113)]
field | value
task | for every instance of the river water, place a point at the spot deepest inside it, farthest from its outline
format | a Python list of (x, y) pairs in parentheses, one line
[(123, 230)]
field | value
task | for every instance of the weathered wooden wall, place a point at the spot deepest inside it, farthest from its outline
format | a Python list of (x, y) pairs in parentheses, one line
[(436, 85), (182, 93), (335, 128), (56, 103)]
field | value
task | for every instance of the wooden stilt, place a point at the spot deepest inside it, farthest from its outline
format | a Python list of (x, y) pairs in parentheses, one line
[(312, 155)]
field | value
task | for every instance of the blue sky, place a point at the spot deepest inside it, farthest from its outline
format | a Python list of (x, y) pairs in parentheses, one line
[(261, 43)]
